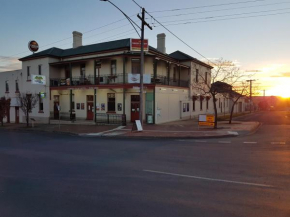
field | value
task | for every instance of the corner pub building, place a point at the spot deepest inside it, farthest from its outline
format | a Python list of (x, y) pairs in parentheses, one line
[(102, 80)]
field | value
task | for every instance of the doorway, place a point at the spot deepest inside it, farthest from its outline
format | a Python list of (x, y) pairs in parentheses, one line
[(90, 105), (16, 115), (135, 106), (56, 107)]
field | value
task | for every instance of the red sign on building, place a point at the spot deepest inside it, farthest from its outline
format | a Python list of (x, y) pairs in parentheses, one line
[(136, 44)]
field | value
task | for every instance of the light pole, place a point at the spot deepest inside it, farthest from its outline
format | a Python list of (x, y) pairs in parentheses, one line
[(250, 94), (142, 51)]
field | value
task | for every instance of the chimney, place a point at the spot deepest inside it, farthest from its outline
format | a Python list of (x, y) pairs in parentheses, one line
[(77, 39), (161, 43)]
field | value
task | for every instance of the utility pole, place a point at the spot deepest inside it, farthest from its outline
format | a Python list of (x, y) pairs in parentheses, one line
[(142, 62), (250, 94)]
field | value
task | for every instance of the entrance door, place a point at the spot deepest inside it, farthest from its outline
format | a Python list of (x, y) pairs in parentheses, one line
[(55, 107), (90, 113), (17, 115), (135, 106), (90, 104)]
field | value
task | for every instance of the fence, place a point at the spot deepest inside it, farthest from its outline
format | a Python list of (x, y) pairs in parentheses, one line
[(114, 119)]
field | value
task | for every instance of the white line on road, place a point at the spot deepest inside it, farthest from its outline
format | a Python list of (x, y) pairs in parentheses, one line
[(227, 142), (250, 142), (200, 141), (210, 179), (278, 143)]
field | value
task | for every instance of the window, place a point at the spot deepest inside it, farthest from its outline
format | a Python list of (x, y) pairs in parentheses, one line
[(174, 74), (196, 76), (136, 66), (6, 87), (207, 104), (28, 73), (111, 102), (39, 69), (113, 67), (205, 78), (83, 70), (193, 105), (73, 102), (40, 103), (201, 102), (16, 86)]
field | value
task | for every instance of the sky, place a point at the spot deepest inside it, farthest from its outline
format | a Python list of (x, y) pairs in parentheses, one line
[(255, 34)]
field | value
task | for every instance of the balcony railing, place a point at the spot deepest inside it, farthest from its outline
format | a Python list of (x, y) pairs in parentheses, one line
[(112, 79)]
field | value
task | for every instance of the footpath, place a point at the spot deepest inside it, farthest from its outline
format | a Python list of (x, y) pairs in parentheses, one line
[(178, 129)]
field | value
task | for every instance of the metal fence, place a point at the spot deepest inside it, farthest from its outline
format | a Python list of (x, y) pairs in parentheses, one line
[(114, 119)]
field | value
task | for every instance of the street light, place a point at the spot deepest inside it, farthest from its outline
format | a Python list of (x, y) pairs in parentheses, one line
[(142, 51)]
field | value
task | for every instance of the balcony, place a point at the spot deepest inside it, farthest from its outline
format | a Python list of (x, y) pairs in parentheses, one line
[(112, 79)]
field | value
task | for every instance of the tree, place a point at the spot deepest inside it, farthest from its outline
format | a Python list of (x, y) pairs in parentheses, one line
[(222, 77), (4, 108), (27, 102)]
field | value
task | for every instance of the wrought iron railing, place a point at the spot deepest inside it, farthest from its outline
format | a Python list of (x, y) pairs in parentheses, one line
[(112, 79), (114, 119)]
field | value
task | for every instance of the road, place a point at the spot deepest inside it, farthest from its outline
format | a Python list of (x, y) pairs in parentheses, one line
[(44, 175)]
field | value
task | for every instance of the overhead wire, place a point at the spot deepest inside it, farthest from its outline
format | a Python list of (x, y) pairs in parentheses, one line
[(207, 6), (225, 9)]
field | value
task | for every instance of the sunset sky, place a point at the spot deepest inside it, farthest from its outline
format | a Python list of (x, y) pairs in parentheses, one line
[(254, 34)]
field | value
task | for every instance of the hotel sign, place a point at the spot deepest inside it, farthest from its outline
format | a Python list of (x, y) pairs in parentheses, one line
[(136, 45), (38, 79), (135, 78)]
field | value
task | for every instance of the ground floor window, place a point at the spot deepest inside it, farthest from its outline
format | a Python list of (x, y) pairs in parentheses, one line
[(193, 105), (40, 103), (111, 102), (207, 104), (201, 105)]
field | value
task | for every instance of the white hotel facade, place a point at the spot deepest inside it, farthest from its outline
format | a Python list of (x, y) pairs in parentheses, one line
[(98, 82)]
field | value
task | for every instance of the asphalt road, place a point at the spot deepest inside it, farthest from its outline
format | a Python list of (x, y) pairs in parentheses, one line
[(59, 175)]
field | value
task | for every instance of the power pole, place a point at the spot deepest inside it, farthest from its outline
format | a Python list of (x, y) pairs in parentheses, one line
[(250, 94), (142, 62)]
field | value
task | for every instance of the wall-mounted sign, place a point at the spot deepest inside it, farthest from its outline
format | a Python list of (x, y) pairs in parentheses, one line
[(38, 79), (136, 45), (206, 120), (42, 95), (33, 46), (135, 78)]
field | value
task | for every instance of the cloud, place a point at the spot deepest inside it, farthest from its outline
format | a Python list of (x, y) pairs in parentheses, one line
[(9, 63), (281, 75)]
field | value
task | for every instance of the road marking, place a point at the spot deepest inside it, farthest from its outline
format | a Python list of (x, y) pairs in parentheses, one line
[(210, 179), (101, 133), (250, 142), (224, 142), (233, 133), (200, 141), (278, 143)]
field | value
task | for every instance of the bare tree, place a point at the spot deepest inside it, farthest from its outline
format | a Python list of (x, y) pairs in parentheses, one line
[(222, 77), (27, 102), (4, 108)]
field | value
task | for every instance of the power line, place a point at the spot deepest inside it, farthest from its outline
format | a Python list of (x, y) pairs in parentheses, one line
[(233, 18), (103, 26), (227, 15), (207, 6), (177, 36), (226, 9)]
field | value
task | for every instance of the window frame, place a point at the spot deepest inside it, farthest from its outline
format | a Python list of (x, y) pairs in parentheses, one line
[(39, 70), (110, 102), (6, 87), (16, 86), (139, 68), (28, 78), (113, 63)]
